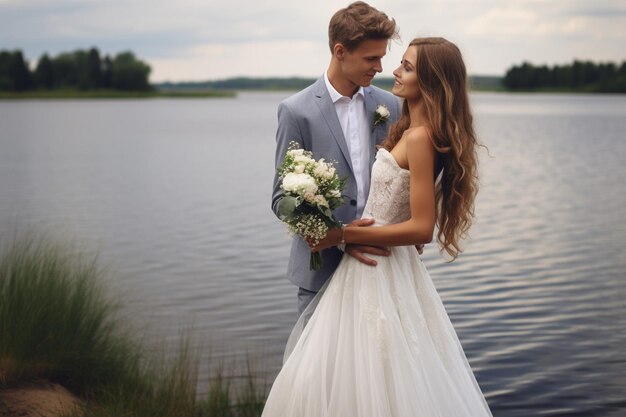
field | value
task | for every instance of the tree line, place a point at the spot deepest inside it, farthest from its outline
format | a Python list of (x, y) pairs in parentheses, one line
[(578, 76), (477, 82), (81, 69)]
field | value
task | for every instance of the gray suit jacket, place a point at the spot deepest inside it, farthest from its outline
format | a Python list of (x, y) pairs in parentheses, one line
[(309, 118)]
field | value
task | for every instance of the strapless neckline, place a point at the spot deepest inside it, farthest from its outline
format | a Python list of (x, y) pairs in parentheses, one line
[(392, 159)]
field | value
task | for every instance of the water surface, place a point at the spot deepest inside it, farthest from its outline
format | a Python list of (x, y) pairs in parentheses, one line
[(175, 197)]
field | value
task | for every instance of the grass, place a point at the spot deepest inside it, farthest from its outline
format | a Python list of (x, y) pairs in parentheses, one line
[(58, 324), (232, 395), (111, 94)]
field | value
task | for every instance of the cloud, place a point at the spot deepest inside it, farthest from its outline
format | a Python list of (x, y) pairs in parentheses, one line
[(269, 58), (517, 21), (196, 39)]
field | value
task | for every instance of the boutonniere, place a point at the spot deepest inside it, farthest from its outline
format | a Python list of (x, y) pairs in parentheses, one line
[(381, 115)]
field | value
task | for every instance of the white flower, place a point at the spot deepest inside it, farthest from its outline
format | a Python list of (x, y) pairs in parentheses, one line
[(299, 169), (294, 152), (320, 200), (383, 111), (334, 194), (299, 183), (302, 159), (381, 115), (321, 170)]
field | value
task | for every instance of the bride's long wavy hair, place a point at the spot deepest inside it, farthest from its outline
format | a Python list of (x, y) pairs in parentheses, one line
[(442, 84)]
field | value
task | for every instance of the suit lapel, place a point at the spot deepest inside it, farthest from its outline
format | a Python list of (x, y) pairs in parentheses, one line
[(370, 109), (327, 108)]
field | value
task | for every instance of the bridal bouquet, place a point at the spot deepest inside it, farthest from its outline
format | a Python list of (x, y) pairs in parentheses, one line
[(312, 190)]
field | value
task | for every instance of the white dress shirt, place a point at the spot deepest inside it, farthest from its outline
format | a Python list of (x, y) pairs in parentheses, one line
[(354, 124)]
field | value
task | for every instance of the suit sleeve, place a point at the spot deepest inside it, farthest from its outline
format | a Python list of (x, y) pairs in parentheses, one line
[(288, 131)]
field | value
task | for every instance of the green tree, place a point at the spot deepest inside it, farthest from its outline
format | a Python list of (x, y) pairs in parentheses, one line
[(519, 77), (65, 70), (579, 76), (542, 77), (14, 72), (89, 69), (129, 73), (607, 77), (44, 73), (94, 69), (6, 80), (82, 72), (107, 73), (620, 83), (590, 73), (562, 76)]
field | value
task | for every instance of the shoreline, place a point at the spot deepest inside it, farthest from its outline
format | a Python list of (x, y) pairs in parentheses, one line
[(112, 94), (217, 94)]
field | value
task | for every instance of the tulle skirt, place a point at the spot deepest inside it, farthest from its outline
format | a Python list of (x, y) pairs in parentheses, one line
[(376, 342)]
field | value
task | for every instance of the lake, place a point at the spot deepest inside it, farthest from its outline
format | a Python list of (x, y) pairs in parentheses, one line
[(174, 196)]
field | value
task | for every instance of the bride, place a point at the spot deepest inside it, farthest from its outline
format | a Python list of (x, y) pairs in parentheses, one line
[(377, 341)]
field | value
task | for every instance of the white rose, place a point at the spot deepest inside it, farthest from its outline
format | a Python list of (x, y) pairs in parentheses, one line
[(299, 169), (299, 183), (295, 152), (309, 196), (383, 111), (302, 159), (321, 201), (321, 170)]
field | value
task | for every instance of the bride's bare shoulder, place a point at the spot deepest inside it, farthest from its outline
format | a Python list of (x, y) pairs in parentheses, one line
[(417, 134), (418, 141)]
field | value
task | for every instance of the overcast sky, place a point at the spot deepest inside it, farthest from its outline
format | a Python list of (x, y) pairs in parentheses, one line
[(215, 39)]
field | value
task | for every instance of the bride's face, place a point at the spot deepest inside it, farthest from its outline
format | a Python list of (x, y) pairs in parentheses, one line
[(405, 84)]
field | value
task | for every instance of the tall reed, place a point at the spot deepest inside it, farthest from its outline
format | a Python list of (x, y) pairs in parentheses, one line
[(57, 323)]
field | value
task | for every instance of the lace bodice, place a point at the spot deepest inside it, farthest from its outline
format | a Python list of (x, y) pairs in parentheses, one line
[(388, 200)]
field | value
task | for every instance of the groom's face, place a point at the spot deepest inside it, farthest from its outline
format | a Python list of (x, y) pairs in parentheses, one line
[(360, 65)]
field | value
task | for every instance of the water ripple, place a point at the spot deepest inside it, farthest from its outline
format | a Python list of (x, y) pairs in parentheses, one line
[(537, 297)]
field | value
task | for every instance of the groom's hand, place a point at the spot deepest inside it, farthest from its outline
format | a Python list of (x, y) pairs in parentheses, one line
[(358, 251)]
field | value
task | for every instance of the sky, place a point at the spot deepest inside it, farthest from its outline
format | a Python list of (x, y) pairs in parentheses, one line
[(196, 40)]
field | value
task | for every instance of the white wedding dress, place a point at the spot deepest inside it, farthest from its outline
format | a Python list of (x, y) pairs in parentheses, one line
[(377, 341)]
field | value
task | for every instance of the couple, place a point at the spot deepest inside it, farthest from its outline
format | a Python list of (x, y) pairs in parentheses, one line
[(373, 338)]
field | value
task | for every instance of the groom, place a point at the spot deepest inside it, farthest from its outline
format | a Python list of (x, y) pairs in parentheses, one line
[(334, 118)]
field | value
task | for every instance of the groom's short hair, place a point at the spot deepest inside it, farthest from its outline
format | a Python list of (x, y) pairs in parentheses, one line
[(357, 23)]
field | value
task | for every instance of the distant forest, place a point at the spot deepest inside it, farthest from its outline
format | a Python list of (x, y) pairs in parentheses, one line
[(297, 83), (87, 70), (82, 69), (580, 76)]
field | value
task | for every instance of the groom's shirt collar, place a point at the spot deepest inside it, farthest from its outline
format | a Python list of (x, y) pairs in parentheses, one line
[(334, 94)]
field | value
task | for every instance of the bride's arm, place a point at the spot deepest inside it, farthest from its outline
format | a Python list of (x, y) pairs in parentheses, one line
[(420, 155)]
